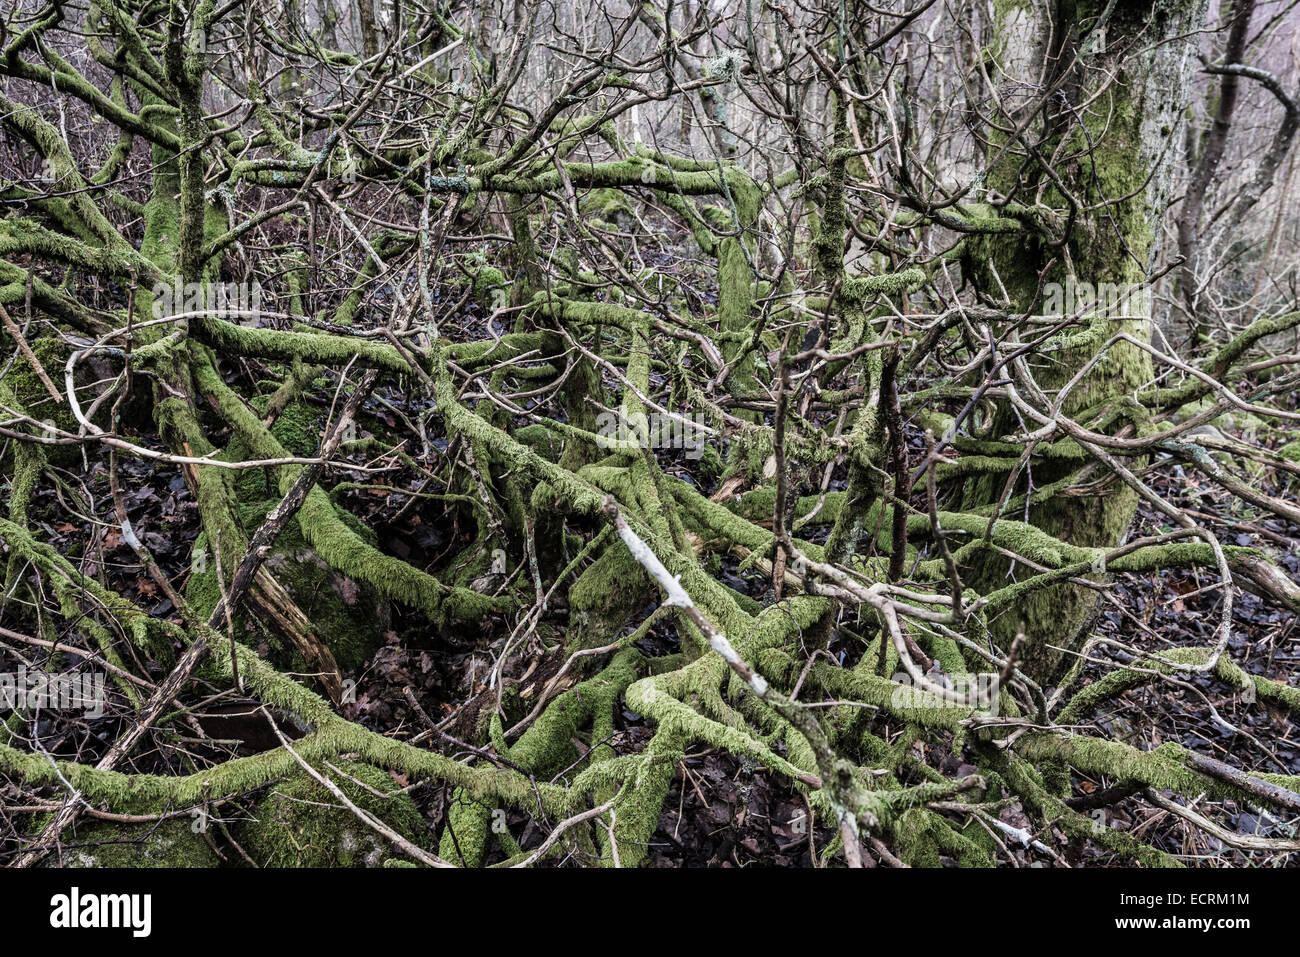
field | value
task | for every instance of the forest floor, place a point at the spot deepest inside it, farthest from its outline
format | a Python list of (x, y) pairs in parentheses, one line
[(721, 811)]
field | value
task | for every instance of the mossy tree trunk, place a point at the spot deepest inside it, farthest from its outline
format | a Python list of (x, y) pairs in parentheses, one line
[(1105, 81)]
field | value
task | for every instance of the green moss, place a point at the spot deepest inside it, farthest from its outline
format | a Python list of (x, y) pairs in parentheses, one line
[(347, 615), (1236, 422), (487, 281), (170, 843), (1109, 245), (297, 427), (34, 399), (465, 838), (860, 288), (605, 595), (301, 824), (605, 204), (923, 836), (336, 541)]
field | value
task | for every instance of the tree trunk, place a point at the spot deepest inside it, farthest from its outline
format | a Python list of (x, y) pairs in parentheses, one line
[(1122, 144)]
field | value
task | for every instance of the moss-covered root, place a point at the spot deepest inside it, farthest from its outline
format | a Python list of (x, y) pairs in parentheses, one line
[(1051, 811), (300, 824), (465, 837), (172, 843)]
